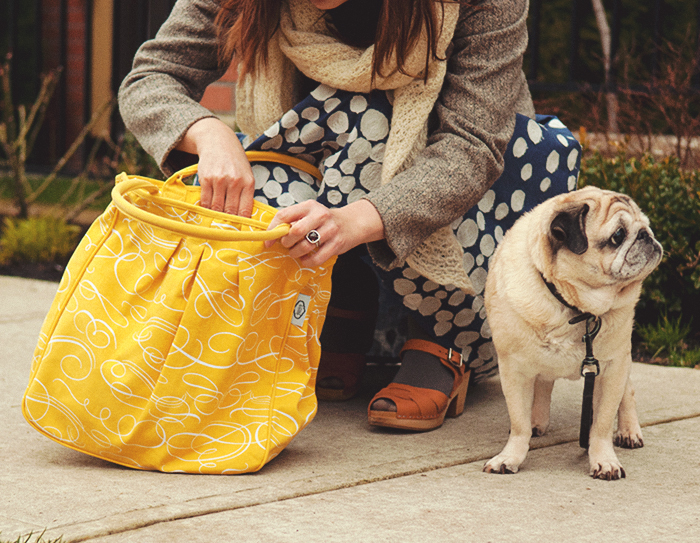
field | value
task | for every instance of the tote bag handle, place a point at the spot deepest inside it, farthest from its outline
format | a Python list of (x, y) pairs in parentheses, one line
[(204, 232)]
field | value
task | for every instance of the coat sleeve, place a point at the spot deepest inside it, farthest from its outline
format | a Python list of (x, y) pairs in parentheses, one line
[(472, 122), (159, 98)]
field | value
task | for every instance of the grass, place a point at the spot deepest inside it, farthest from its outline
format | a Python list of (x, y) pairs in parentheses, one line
[(28, 539), (669, 337)]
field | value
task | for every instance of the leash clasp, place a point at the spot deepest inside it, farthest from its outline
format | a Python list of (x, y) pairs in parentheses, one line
[(593, 324)]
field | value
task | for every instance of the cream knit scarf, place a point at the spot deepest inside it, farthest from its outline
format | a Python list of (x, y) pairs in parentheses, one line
[(305, 44)]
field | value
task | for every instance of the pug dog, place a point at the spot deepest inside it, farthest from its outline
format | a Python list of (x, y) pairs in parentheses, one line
[(587, 251)]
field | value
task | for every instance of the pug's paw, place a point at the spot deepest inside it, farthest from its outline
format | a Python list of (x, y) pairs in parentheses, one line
[(502, 464), (608, 471), (629, 439)]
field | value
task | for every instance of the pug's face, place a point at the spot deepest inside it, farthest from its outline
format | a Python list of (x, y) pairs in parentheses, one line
[(600, 238)]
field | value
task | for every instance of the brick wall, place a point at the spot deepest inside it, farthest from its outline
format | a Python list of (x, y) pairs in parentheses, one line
[(219, 97)]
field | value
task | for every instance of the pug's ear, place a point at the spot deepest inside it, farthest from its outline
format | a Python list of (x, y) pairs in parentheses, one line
[(568, 229)]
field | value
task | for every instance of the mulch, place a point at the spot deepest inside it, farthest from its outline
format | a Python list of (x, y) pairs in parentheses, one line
[(43, 271)]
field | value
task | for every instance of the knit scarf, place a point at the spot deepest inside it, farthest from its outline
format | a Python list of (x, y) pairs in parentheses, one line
[(305, 44)]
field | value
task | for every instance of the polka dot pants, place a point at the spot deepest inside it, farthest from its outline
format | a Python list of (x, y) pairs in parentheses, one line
[(345, 134)]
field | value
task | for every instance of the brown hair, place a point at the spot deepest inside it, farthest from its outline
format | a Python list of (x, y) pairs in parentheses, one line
[(246, 27)]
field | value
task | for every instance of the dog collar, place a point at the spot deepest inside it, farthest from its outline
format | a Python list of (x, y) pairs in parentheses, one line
[(582, 316)]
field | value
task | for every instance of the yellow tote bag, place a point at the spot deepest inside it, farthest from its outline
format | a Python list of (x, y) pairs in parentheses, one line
[(177, 341)]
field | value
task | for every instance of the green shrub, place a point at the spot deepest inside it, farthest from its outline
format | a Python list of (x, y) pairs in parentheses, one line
[(670, 197), (666, 336), (37, 239)]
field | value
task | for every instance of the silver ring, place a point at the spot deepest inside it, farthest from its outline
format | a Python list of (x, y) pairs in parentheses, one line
[(313, 237)]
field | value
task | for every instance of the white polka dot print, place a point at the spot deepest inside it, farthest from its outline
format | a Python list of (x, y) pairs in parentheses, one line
[(486, 202), (429, 306), (404, 287), (371, 175), (377, 153), (556, 123), (346, 184), (292, 135), (498, 234), (338, 122), (486, 351), (571, 160), (323, 92), (272, 131), (274, 143), (280, 174), (359, 150), (457, 298), (289, 119), (534, 132), (310, 114), (501, 211), (519, 147), (332, 177), (286, 200), (464, 318), (487, 245), (342, 140), (480, 260), (311, 133), (480, 220), (331, 104), (272, 189), (468, 233), (517, 200), (334, 197), (571, 183), (348, 166), (412, 301), (430, 286), (526, 172), (443, 315), (306, 178), (552, 162), (261, 174), (301, 191), (478, 278), (545, 184), (410, 273), (358, 104), (464, 339), (563, 140), (374, 125), (442, 328), (468, 261), (355, 195)]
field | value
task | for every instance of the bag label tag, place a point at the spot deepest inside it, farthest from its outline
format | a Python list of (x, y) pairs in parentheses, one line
[(300, 309)]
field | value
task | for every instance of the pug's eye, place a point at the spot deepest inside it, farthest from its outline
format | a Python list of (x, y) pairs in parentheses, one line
[(618, 237)]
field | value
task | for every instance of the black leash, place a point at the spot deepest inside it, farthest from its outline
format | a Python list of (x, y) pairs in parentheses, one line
[(589, 370), (589, 367)]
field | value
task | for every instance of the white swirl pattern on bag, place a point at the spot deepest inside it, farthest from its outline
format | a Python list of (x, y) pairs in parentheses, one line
[(143, 359)]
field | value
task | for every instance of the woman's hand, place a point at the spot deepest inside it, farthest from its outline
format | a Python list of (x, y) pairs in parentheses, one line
[(225, 175), (340, 229)]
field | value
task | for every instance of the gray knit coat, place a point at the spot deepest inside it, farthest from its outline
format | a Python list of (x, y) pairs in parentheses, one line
[(470, 127)]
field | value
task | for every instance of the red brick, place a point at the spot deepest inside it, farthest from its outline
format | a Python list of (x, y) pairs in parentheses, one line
[(218, 97)]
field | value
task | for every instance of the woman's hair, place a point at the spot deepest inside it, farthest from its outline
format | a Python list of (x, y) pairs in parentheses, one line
[(246, 27)]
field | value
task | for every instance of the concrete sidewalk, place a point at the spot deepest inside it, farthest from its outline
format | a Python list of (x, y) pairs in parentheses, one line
[(341, 480)]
